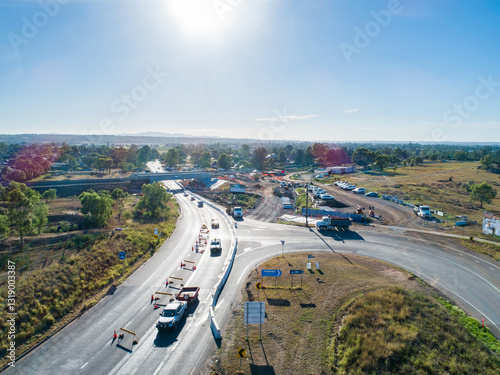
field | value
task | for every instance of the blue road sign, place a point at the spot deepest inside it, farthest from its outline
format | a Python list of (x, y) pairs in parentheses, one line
[(121, 254), (310, 256), (275, 273), (296, 272)]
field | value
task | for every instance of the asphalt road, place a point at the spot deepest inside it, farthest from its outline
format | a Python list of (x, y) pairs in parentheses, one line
[(86, 346)]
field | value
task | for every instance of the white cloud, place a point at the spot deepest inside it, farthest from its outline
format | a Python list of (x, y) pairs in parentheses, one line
[(286, 118), (352, 110)]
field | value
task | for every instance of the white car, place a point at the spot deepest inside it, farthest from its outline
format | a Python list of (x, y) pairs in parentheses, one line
[(327, 197), (350, 187), (171, 315), (359, 191)]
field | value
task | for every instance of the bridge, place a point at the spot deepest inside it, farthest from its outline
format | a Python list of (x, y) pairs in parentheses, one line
[(176, 175)]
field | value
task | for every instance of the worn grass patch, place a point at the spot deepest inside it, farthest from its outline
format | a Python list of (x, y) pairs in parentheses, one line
[(354, 315)]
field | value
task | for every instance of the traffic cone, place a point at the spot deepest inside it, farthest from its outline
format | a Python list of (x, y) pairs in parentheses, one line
[(482, 324), (194, 269), (156, 306), (182, 265), (115, 335), (166, 283), (192, 248), (205, 242)]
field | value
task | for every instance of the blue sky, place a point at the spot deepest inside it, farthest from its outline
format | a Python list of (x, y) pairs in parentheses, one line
[(328, 70)]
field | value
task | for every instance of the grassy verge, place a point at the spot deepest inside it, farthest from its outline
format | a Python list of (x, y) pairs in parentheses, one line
[(353, 316), (47, 297), (490, 250)]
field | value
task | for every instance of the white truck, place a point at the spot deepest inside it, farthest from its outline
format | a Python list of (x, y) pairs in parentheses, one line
[(237, 212), (424, 212), (172, 315), (215, 246)]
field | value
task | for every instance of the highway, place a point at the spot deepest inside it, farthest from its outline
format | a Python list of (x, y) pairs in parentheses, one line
[(86, 346)]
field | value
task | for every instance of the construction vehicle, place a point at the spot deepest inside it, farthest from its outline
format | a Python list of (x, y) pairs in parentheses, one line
[(330, 223)]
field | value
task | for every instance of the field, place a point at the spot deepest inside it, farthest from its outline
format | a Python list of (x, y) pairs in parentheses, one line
[(59, 275), (79, 175), (438, 185), (352, 316)]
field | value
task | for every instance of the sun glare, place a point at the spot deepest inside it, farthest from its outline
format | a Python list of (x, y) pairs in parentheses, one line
[(195, 16)]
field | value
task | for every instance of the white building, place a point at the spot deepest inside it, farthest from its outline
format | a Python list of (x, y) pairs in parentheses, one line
[(491, 224)]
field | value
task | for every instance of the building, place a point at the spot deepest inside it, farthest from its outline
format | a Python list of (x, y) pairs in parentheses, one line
[(491, 224)]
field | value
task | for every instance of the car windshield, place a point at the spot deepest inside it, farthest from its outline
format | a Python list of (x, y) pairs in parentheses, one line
[(168, 313)]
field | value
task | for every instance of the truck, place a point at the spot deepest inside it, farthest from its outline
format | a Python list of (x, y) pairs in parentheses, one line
[(215, 246), (330, 223), (172, 315), (188, 294), (237, 212), (424, 212)]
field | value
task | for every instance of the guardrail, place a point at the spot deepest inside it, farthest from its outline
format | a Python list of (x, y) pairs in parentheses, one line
[(222, 282)]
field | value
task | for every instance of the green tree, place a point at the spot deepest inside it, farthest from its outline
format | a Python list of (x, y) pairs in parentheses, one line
[(299, 156), (40, 219), (309, 156), (482, 193), (49, 195), (22, 204), (245, 151), (225, 161), (362, 157), (118, 193), (282, 157), (172, 157), (126, 166), (381, 162), (205, 159), (4, 226), (154, 202), (98, 208), (258, 158), (486, 162)]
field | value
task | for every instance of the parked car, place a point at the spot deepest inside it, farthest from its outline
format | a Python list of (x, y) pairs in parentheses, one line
[(359, 191), (327, 197), (371, 194), (425, 212), (350, 187)]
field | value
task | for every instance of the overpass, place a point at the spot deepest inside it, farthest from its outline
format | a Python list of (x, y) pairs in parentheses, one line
[(176, 175)]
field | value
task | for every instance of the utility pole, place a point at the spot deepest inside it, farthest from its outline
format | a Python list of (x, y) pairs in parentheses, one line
[(307, 196)]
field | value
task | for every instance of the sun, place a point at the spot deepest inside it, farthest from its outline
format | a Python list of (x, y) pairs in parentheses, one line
[(195, 16)]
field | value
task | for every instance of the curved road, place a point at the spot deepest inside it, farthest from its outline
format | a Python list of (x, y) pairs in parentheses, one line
[(86, 346)]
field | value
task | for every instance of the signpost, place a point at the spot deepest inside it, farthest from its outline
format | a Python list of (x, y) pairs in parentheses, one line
[(241, 354), (271, 273), (283, 248), (121, 254), (297, 272), (255, 313)]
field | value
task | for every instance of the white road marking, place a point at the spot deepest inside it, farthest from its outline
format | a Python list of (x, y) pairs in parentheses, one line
[(247, 249), (84, 365)]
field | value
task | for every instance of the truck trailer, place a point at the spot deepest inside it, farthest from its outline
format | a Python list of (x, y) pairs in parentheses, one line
[(330, 223)]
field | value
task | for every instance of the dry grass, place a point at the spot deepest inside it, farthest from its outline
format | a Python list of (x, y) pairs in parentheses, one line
[(380, 312)]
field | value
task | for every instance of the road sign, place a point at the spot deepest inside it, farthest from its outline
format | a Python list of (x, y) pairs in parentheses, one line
[(296, 272), (310, 256), (156, 231), (258, 286), (156, 236), (439, 213), (122, 254), (255, 312), (241, 353), (308, 264), (272, 273)]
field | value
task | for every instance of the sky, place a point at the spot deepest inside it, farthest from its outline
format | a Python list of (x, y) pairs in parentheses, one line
[(315, 70)]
